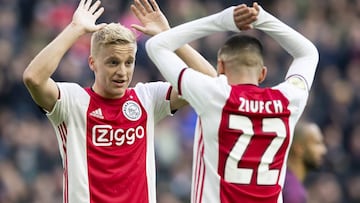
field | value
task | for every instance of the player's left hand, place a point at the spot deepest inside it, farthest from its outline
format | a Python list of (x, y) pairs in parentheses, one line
[(150, 15), (244, 16)]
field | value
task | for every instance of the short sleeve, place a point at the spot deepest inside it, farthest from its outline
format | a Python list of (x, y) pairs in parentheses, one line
[(201, 90), (155, 96), (72, 97), (296, 95)]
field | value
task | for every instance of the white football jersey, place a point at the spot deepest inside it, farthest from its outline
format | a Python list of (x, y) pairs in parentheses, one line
[(107, 145), (241, 144)]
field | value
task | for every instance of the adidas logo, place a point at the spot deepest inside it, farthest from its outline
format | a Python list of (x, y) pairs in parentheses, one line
[(97, 113)]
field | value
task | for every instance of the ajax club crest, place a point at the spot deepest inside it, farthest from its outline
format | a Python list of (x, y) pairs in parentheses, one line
[(131, 110)]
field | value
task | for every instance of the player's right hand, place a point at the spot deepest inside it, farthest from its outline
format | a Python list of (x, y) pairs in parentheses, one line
[(86, 15)]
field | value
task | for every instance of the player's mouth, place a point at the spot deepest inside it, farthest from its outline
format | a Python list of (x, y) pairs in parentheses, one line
[(119, 82)]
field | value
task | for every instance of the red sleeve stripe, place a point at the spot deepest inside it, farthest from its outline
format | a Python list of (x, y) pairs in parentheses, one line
[(168, 95), (179, 80), (59, 96)]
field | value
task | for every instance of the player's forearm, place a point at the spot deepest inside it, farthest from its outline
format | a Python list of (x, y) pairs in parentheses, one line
[(300, 48), (195, 60), (183, 34), (292, 41), (45, 63), (160, 46)]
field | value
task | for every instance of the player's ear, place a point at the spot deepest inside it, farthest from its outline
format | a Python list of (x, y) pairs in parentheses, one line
[(220, 66), (263, 74), (91, 63)]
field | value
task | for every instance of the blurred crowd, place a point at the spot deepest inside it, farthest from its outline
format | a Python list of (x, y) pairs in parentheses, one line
[(30, 163)]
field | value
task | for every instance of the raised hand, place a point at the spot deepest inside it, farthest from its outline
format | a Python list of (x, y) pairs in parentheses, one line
[(244, 16), (86, 15), (150, 15)]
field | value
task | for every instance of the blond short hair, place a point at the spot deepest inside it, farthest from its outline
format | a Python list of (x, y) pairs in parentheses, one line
[(113, 33)]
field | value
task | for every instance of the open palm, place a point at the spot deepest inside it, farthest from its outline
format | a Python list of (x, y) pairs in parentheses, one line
[(86, 15), (151, 17)]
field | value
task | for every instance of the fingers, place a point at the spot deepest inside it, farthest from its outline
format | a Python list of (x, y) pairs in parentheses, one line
[(242, 12), (138, 28), (244, 16), (143, 7), (81, 4), (94, 7), (98, 13), (154, 5), (139, 7), (240, 7), (245, 19), (136, 11), (256, 6), (87, 4), (147, 6)]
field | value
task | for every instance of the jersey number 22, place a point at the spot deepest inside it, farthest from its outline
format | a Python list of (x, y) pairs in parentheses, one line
[(265, 176)]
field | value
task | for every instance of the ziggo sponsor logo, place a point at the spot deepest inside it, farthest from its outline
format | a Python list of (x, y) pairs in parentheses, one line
[(105, 135)]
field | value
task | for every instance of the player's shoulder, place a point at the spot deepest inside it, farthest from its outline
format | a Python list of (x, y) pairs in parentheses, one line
[(71, 88), (69, 85), (294, 90), (152, 90), (151, 85), (293, 85)]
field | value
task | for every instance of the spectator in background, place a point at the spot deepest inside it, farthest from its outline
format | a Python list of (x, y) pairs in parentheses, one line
[(326, 188), (306, 153), (106, 131)]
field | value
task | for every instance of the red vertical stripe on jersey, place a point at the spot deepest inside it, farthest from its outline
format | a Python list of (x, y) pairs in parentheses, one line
[(202, 174), (66, 177), (200, 171), (63, 134)]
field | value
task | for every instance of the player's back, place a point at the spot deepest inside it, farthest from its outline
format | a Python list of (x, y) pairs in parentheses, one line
[(242, 144)]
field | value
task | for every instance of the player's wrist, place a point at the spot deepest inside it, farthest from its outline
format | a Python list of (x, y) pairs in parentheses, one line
[(76, 29), (261, 18)]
